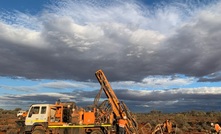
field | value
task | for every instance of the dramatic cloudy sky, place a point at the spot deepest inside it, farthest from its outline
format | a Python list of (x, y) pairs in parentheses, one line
[(157, 54)]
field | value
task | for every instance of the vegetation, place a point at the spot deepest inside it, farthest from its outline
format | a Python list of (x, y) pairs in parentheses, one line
[(7, 121), (185, 122), (191, 121)]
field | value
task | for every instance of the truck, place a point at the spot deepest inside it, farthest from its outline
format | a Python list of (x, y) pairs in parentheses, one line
[(68, 118), (61, 118), (21, 114)]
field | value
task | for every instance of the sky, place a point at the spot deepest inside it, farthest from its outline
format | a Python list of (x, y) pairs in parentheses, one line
[(157, 54)]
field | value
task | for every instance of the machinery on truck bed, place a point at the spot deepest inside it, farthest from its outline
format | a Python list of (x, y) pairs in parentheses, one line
[(67, 118), (62, 118)]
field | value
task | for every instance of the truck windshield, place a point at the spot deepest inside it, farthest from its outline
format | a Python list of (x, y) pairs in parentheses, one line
[(34, 110)]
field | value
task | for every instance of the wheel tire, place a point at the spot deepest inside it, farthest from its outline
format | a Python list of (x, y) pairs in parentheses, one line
[(38, 131), (96, 132)]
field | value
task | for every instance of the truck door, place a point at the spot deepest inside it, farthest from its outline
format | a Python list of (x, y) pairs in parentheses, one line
[(43, 114)]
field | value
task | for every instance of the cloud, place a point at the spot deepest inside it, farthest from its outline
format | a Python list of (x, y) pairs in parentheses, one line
[(173, 100), (13, 101), (214, 77), (39, 86), (19, 88), (62, 42), (62, 85)]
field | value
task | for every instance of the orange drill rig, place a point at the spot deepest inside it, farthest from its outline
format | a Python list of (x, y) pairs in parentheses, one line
[(68, 118), (119, 109)]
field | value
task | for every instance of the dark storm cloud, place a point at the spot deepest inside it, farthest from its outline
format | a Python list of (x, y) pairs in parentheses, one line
[(214, 77), (170, 100), (176, 100), (194, 50), (68, 45)]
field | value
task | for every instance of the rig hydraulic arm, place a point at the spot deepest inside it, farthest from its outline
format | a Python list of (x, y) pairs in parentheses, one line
[(119, 108)]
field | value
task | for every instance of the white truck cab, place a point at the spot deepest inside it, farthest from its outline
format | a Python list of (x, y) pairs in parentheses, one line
[(41, 116), (37, 113)]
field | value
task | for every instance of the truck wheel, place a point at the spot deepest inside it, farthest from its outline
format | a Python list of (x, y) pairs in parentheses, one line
[(96, 132), (38, 131)]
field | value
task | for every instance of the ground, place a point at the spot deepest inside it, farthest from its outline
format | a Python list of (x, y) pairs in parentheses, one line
[(194, 122)]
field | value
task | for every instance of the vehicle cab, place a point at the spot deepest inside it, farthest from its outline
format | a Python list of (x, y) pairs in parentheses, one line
[(38, 113)]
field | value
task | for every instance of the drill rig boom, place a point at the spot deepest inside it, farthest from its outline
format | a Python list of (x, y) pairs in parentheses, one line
[(119, 108)]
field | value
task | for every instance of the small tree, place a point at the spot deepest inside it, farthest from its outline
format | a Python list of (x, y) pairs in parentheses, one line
[(17, 109)]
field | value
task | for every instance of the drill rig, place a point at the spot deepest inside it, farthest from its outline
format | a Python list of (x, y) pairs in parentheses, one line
[(119, 108), (68, 118)]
